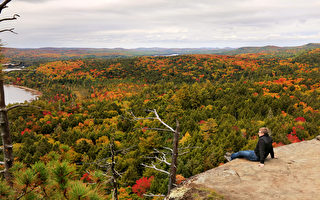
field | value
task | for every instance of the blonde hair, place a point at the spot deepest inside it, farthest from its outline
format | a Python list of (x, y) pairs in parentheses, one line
[(265, 130)]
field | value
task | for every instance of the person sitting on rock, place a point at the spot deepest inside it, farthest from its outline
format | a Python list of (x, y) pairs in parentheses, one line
[(260, 153)]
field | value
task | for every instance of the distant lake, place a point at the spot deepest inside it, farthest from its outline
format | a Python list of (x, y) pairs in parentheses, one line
[(14, 94), (12, 69), (169, 55)]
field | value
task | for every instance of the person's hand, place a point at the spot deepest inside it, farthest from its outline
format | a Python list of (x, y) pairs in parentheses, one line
[(261, 165)]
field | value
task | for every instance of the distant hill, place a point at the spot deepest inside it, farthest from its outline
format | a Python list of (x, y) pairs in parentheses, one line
[(51, 54), (28, 55), (273, 49)]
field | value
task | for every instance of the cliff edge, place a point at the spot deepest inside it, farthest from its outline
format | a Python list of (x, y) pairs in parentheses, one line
[(295, 174)]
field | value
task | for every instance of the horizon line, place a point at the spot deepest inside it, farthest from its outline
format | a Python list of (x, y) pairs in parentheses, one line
[(64, 47)]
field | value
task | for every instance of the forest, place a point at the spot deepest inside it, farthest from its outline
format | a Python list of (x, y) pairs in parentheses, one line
[(97, 128)]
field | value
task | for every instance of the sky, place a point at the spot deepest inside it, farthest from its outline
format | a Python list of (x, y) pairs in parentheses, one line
[(161, 23)]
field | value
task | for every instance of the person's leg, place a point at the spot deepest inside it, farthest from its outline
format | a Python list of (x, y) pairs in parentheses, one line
[(240, 154), (253, 156), (248, 154)]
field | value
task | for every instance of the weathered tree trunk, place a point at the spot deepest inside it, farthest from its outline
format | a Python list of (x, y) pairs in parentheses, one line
[(4, 124), (6, 136), (113, 171), (174, 163)]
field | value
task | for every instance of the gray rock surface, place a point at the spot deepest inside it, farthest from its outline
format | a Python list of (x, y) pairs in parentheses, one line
[(294, 175)]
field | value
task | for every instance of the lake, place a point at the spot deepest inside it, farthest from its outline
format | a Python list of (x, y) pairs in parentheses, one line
[(14, 94), (9, 70), (13, 69)]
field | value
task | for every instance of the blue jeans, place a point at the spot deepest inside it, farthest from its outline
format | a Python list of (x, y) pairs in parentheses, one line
[(248, 154)]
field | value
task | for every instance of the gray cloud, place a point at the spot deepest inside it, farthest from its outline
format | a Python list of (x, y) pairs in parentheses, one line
[(164, 23)]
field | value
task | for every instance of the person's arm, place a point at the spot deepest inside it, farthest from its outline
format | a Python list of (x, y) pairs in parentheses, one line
[(261, 145), (271, 152)]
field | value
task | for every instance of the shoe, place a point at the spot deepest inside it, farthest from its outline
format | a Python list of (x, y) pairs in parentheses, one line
[(227, 156)]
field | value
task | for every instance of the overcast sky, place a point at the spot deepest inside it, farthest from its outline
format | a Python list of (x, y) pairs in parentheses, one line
[(161, 23)]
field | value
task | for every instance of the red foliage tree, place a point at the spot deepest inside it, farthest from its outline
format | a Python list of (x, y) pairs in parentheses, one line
[(300, 119), (26, 130), (142, 185), (86, 177), (275, 144), (292, 137)]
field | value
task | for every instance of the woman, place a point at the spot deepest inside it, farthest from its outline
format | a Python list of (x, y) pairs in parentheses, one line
[(260, 153)]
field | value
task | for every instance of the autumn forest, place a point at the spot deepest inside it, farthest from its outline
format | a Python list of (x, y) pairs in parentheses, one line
[(100, 124)]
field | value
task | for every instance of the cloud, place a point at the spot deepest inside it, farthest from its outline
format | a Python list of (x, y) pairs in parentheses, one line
[(165, 23)]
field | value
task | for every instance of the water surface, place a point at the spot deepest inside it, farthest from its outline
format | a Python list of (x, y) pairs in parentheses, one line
[(11, 69), (15, 94)]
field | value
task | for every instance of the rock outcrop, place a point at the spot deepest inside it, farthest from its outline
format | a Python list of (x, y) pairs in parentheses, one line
[(295, 174)]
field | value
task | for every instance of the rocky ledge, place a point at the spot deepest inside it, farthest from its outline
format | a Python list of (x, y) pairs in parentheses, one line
[(295, 174)]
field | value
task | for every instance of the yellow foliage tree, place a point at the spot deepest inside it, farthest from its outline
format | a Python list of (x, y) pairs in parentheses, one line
[(208, 127), (185, 138)]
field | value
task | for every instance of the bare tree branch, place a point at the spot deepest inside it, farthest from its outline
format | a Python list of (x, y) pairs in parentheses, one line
[(117, 173), (180, 154), (154, 118), (125, 150), (4, 5), (140, 118), (10, 18), (143, 118), (154, 167), (21, 105), (186, 148), (108, 181), (163, 157), (8, 30), (183, 148), (156, 129), (107, 175), (162, 122), (168, 148), (131, 113), (154, 195), (104, 165)]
